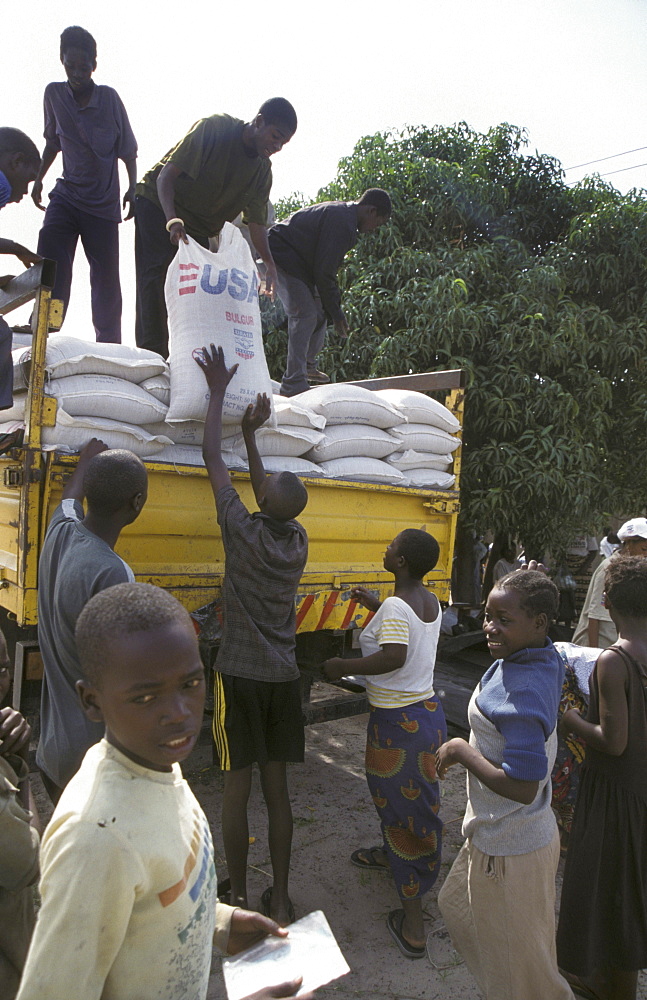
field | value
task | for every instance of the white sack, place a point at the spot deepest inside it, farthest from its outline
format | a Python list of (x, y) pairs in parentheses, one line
[(17, 411), (212, 298), (186, 432), (410, 459), (421, 409), (429, 477), (345, 440), (178, 454), (187, 454), (287, 463), (72, 356), (423, 437), (191, 432), (289, 441), (21, 361), (106, 396), (159, 386), (276, 386), (9, 426), (71, 434), (350, 404), (20, 340), (234, 461), (368, 470), (289, 413)]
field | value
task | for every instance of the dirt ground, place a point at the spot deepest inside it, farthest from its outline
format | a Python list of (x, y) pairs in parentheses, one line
[(333, 816)]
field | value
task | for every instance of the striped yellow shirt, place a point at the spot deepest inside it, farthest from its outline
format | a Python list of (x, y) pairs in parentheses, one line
[(396, 622)]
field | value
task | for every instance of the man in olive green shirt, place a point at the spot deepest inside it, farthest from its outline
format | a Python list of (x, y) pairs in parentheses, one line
[(220, 168)]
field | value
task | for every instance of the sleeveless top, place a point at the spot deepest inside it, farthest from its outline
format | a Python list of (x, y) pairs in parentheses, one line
[(629, 770)]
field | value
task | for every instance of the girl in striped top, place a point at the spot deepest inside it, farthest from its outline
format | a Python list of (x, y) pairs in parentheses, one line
[(406, 725)]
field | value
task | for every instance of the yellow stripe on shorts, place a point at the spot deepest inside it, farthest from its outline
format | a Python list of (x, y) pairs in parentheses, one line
[(219, 732)]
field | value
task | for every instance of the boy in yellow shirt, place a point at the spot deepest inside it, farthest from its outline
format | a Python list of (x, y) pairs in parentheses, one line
[(128, 878)]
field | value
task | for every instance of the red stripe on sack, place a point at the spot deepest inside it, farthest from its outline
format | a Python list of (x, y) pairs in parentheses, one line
[(188, 277), (304, 607), (186, 291), (331, 600), (185, 267), (349, 614)]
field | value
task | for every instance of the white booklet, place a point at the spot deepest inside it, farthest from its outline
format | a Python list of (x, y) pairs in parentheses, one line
[(310, 950)]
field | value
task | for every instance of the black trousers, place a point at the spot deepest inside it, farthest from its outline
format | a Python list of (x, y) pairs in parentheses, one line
[(63, 224), (153, 254)]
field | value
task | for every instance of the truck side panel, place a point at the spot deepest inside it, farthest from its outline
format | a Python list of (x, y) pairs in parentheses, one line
[(175, 543)]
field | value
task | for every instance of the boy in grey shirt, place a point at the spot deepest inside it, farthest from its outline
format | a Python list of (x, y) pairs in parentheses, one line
[(77, 561)]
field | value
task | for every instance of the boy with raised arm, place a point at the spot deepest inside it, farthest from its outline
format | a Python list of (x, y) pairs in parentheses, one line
[(257, 716), (129, 908)]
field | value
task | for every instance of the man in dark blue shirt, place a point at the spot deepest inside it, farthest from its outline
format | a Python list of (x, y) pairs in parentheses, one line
[(308, 249), (89, 125), (19, 163)]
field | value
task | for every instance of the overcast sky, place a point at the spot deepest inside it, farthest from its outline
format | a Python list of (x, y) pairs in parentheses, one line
[(572, 72)]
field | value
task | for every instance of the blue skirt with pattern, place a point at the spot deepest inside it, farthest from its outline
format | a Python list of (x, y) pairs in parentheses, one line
[(401, 776)]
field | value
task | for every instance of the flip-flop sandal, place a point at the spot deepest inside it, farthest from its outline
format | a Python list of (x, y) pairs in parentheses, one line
[(579, 988), (394, 924), (358, 858), (266, 905)]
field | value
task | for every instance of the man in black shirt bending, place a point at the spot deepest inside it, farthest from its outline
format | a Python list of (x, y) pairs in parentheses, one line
[(308, 249)]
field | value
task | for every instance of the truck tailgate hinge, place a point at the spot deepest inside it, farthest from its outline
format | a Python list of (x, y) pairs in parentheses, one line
[(13, 476)]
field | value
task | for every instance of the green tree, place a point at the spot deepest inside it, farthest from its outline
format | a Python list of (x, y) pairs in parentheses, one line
[(492, 264)]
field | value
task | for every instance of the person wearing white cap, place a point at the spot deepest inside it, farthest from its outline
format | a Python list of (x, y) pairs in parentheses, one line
[(595, 627)]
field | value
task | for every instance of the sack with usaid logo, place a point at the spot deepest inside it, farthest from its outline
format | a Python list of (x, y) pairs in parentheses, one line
[(212, 298)]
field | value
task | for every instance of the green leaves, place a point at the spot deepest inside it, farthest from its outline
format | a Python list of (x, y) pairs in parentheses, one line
[(538, 290)]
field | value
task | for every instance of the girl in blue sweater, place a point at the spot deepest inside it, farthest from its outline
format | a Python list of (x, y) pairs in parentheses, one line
[(498, 900)]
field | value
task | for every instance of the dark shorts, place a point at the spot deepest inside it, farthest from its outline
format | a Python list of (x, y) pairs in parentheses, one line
[(257, 721)]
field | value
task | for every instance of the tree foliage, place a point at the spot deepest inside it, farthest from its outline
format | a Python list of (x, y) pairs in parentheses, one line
[(538, 290)]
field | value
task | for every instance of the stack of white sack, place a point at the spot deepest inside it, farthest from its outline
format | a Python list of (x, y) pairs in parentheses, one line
[(428, 438), (101, 391), (362, 430), (281, 447)]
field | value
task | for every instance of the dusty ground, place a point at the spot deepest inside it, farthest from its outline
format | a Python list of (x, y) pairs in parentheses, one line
[(334, 816)]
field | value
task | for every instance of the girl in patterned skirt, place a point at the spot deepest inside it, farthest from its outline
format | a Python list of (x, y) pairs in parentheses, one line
[(406, 725)]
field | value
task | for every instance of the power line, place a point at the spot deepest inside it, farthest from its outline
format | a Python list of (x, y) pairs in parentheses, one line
[(603, 158), (610, 172), (622, 169)]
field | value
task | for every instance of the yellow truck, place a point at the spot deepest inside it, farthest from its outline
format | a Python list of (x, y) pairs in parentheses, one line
[(175, 543)]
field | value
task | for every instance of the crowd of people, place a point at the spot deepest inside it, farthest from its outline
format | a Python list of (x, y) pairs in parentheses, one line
[(127, 877), (122, 707)]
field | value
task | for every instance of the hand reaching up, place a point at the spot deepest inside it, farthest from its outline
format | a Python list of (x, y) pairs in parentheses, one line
[(256, 414), (215, 370)]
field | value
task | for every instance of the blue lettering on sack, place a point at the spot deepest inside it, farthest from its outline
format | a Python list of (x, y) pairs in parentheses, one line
[(244, 343), (238, 286), (253, 288), (205, 281)]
